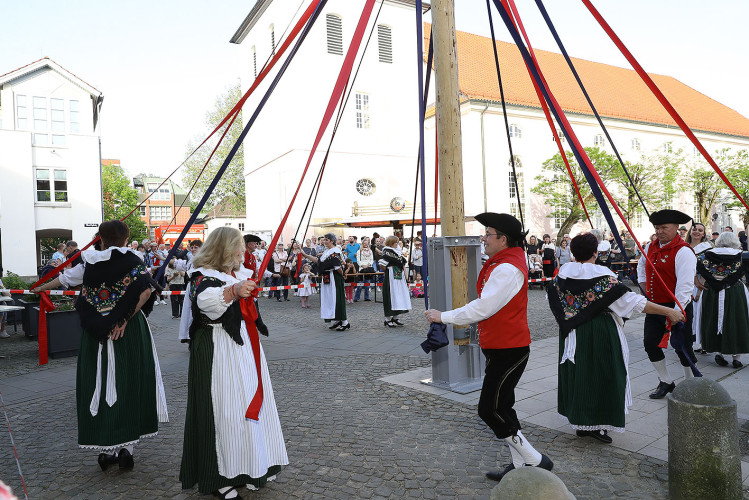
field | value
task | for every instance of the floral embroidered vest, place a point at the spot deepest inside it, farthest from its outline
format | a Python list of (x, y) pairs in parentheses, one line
[(509, 326)]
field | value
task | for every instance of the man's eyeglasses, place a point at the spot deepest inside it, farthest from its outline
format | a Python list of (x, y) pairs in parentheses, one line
[(491, 234)]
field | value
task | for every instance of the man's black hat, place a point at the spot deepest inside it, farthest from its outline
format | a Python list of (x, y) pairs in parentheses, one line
[(251, 238), (504, 223), (669, 217)]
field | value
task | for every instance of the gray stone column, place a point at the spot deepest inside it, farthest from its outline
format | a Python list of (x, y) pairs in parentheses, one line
[(704, 460)]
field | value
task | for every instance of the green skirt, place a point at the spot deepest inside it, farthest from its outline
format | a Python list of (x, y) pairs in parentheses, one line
[(199, 459), (734, 338), (592, 390), (134, 415)]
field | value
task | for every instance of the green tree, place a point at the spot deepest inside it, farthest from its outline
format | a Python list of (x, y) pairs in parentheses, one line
[(120, 199), (232, 182), (736, 167), (555, 185)]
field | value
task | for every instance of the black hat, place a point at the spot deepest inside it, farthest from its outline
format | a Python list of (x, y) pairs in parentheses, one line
[(504, 223), (669, 217), (251, 238)]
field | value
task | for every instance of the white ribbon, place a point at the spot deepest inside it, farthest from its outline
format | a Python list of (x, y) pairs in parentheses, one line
[(111, 392), (721, 309), (570, 343)]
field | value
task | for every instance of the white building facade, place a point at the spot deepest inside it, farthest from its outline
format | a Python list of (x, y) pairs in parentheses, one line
[(50, 171), (368, 183)]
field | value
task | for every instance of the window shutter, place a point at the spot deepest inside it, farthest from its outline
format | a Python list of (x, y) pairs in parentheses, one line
[(335, 34), (385, 42)]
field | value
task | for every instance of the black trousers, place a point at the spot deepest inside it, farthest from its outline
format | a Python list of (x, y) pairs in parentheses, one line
[(504, 367), (176, 300), (655, 327)]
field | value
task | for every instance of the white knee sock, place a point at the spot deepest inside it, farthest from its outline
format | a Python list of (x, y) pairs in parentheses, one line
[(345, 322), (522, 446), (517, 458), (688, 372), (660, 367), (130, 448), (736, 357), (224, 490)]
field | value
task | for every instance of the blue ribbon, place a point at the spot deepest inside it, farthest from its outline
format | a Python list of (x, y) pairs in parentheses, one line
[(235, 148), (422, 112)]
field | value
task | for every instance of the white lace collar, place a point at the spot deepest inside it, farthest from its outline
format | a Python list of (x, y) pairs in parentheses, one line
[(330, 251), (725, 251), (92, 255), (585, 271)]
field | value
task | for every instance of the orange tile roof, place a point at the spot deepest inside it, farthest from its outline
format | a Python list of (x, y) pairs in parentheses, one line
[(616, 92)]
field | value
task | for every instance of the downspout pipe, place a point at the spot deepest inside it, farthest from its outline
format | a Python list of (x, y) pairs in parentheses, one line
[(483, 154)]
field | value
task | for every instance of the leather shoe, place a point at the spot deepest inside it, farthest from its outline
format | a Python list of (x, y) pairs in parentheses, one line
[(721, 360), (546, 463), (343, 327), (601, 436), (663, 389), (335, 325), (126, 459), (737, 363), (499, 474), (105, 460)]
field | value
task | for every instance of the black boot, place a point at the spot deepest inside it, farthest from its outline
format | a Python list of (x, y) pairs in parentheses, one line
[(126, 459)]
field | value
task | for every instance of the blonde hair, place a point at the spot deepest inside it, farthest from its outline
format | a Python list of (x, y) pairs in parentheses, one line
[(220, 249), (390, 241)]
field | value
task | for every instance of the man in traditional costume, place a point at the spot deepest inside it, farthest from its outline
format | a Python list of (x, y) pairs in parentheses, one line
[(589, 302), (725, 317), (332, 294), (395, 297), (116, 345), (502, 315), (227, 444), (676, 264)]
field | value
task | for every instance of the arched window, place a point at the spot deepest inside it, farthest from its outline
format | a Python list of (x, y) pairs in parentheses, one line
[(385, 43), (515, 131), (335, 34), (598, 140)]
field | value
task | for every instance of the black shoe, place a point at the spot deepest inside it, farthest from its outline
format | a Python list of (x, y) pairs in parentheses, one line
[(663, 389), (224, 495), (285, 299), (398, 322), (601, 436), (105, 460), (721, 360), (367, 300), (335, 325), (546, 463), (390, 323), (737, 363), (498, 475), (126, 459), (701, 351), (343, 327)]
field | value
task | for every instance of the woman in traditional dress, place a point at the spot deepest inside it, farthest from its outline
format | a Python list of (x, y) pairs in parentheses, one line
[(724, 321), (119, 393), (548, 254), (226, 445), (332, 295), (699, 241), (395, 296), (589, 302)]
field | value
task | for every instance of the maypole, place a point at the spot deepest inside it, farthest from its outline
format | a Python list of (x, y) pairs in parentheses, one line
[(449, 140)]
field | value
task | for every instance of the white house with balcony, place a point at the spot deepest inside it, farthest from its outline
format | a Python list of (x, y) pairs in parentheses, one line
[(370, 175), (50, 164)]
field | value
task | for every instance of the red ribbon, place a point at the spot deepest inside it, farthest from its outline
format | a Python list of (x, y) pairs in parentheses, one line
[(249, 314), (298, 264), (45, 305), (662, 98), (341, 82)]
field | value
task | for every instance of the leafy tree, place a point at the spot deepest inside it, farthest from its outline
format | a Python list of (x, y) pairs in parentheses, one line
[(232, 182), (120, 199), (555, 185), (736, 167)]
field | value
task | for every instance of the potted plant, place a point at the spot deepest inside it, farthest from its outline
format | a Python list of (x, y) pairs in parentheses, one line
[(63, 329), (14, 282)]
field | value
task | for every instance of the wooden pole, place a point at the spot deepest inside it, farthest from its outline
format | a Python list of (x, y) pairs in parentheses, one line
[(449, 140)]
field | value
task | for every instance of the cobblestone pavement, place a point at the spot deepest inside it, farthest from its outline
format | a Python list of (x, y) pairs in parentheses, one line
[(348, 434)]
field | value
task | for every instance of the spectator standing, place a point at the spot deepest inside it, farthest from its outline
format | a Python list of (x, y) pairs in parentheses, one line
[(60, 253), (176, 280), (349, 278), (351, 248), (283, 269), (305, 279), (365, 257), (549, 256), (417, 258), (563, 253)]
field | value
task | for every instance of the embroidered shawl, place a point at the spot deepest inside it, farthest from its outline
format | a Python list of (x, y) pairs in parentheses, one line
[(720, 271), (231, 320)]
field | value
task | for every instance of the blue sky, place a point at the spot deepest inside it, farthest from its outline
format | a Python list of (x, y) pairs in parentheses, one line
[(160, 64)]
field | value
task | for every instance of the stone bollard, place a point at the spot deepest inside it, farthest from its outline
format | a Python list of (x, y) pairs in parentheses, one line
[(704, 460), (531, 482)]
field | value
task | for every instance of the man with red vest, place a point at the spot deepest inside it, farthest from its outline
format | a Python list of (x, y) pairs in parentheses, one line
[(502, 315), (676, 264)]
